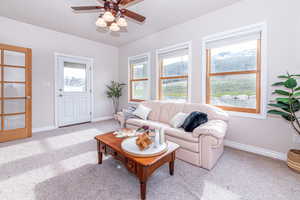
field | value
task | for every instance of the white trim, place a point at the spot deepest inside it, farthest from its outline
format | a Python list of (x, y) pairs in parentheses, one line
[(256, 150), (47, 128), (131, 58), (102, 118), (190, 66), (56, 65), (262, 27)]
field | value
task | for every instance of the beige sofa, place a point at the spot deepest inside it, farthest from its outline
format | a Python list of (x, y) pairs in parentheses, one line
[(204, 146)]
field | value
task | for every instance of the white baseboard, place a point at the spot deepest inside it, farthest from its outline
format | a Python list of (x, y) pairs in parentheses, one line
[(256, 150), (47, 128), (102, 118)]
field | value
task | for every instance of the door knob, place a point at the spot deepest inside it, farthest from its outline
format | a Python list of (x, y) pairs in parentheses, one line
[(60, 95)]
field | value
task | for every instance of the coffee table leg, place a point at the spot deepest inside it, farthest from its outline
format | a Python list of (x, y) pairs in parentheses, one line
[(143, 189), (99, 152), (171, 164)]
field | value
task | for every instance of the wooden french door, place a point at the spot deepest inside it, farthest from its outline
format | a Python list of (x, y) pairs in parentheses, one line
[(15, 93)]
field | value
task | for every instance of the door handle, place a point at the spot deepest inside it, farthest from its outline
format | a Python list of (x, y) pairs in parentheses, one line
[(60, 95)]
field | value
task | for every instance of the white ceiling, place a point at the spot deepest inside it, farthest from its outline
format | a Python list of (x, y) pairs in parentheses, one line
[(57, 15)]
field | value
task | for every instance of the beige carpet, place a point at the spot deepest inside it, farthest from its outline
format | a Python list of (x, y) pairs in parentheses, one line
[(61, 165)]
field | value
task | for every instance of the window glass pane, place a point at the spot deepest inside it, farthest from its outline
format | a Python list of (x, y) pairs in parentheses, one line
[(174, 89), (14, 90), (175, 66), (14, 58), (14, 122), (235, 57), (14, 74), (139, 71), (74, 77), (234, 90), (14, 106), (139, 90)]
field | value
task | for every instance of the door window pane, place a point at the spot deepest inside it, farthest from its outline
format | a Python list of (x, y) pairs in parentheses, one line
[(139, 71), (14, 74), (234, 90), (175, 66), (14, 58), (139, 90), (14, 122), (235, 57), (74, 77), (14, 106), (174, 89), (14, 90)]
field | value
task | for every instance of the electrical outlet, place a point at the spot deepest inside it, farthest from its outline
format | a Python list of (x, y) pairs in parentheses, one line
[(297, 139)]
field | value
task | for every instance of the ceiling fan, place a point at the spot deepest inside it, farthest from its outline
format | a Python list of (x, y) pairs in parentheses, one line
[(112, 13)]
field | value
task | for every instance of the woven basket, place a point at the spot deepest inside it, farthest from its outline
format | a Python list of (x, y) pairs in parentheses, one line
[(293, 160)]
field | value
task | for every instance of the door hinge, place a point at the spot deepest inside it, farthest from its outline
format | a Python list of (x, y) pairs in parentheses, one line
[(90, 113)]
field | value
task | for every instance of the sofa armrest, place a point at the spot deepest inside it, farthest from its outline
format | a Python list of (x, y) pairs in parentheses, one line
[(220, 114), (120, 116), (214, 128)]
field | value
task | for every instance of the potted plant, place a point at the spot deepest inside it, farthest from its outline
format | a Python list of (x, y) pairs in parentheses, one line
[(287, 105), (114, 92)]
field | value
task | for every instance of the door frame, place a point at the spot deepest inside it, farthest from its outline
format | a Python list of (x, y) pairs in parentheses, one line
[(56, 84)]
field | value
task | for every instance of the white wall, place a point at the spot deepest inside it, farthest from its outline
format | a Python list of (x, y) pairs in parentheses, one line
[(44, 44), (283, 48)]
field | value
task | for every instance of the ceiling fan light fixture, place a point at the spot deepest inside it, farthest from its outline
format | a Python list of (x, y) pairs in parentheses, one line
[(101, 22), (108, 16), (114, 27), (122, 22)]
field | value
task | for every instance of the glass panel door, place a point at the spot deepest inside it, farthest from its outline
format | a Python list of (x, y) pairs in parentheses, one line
[(15, 101)]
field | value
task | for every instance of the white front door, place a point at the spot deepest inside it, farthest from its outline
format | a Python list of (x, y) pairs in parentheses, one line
[(74, 90)]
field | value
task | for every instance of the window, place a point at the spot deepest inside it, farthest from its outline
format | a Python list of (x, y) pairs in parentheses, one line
[(139, 81), (74, 77), (173, 74), (233, 79)]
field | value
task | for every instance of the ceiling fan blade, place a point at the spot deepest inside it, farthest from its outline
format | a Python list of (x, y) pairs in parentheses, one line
[(133, 15), (78, 8), (125, 2)]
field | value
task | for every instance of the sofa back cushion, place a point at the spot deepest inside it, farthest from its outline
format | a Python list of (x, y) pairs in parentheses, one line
[(155, 109), (212, 112), (165, 111)]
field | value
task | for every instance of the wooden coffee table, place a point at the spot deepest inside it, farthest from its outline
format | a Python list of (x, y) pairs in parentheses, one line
[(141, 167)]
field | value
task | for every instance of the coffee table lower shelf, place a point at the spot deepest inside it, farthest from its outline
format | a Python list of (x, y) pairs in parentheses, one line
[(141, 167)]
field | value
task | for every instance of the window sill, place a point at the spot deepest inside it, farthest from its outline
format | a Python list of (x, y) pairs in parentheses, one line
[(247, 115)]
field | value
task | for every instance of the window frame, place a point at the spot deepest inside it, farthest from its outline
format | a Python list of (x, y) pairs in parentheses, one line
[(209, 74), (261, 78), (161, 78), (147, 56)]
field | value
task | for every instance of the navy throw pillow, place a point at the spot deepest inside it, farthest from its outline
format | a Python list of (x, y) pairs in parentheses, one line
[(194, 120)]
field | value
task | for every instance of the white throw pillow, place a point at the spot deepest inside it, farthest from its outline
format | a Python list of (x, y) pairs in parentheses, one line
[(178, 120), (142, 112)]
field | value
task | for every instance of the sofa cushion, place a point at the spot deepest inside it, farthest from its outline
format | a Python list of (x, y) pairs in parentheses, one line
[(151, 124), (178, 120), (180, 133), (213, 112), (169, 110), (142, 112), (191, 146), (155, 106)]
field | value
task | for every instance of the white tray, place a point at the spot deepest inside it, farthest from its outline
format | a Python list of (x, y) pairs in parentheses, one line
[(129, 146)]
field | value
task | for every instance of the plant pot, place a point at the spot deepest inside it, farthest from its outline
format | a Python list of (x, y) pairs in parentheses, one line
[(293, 160)]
